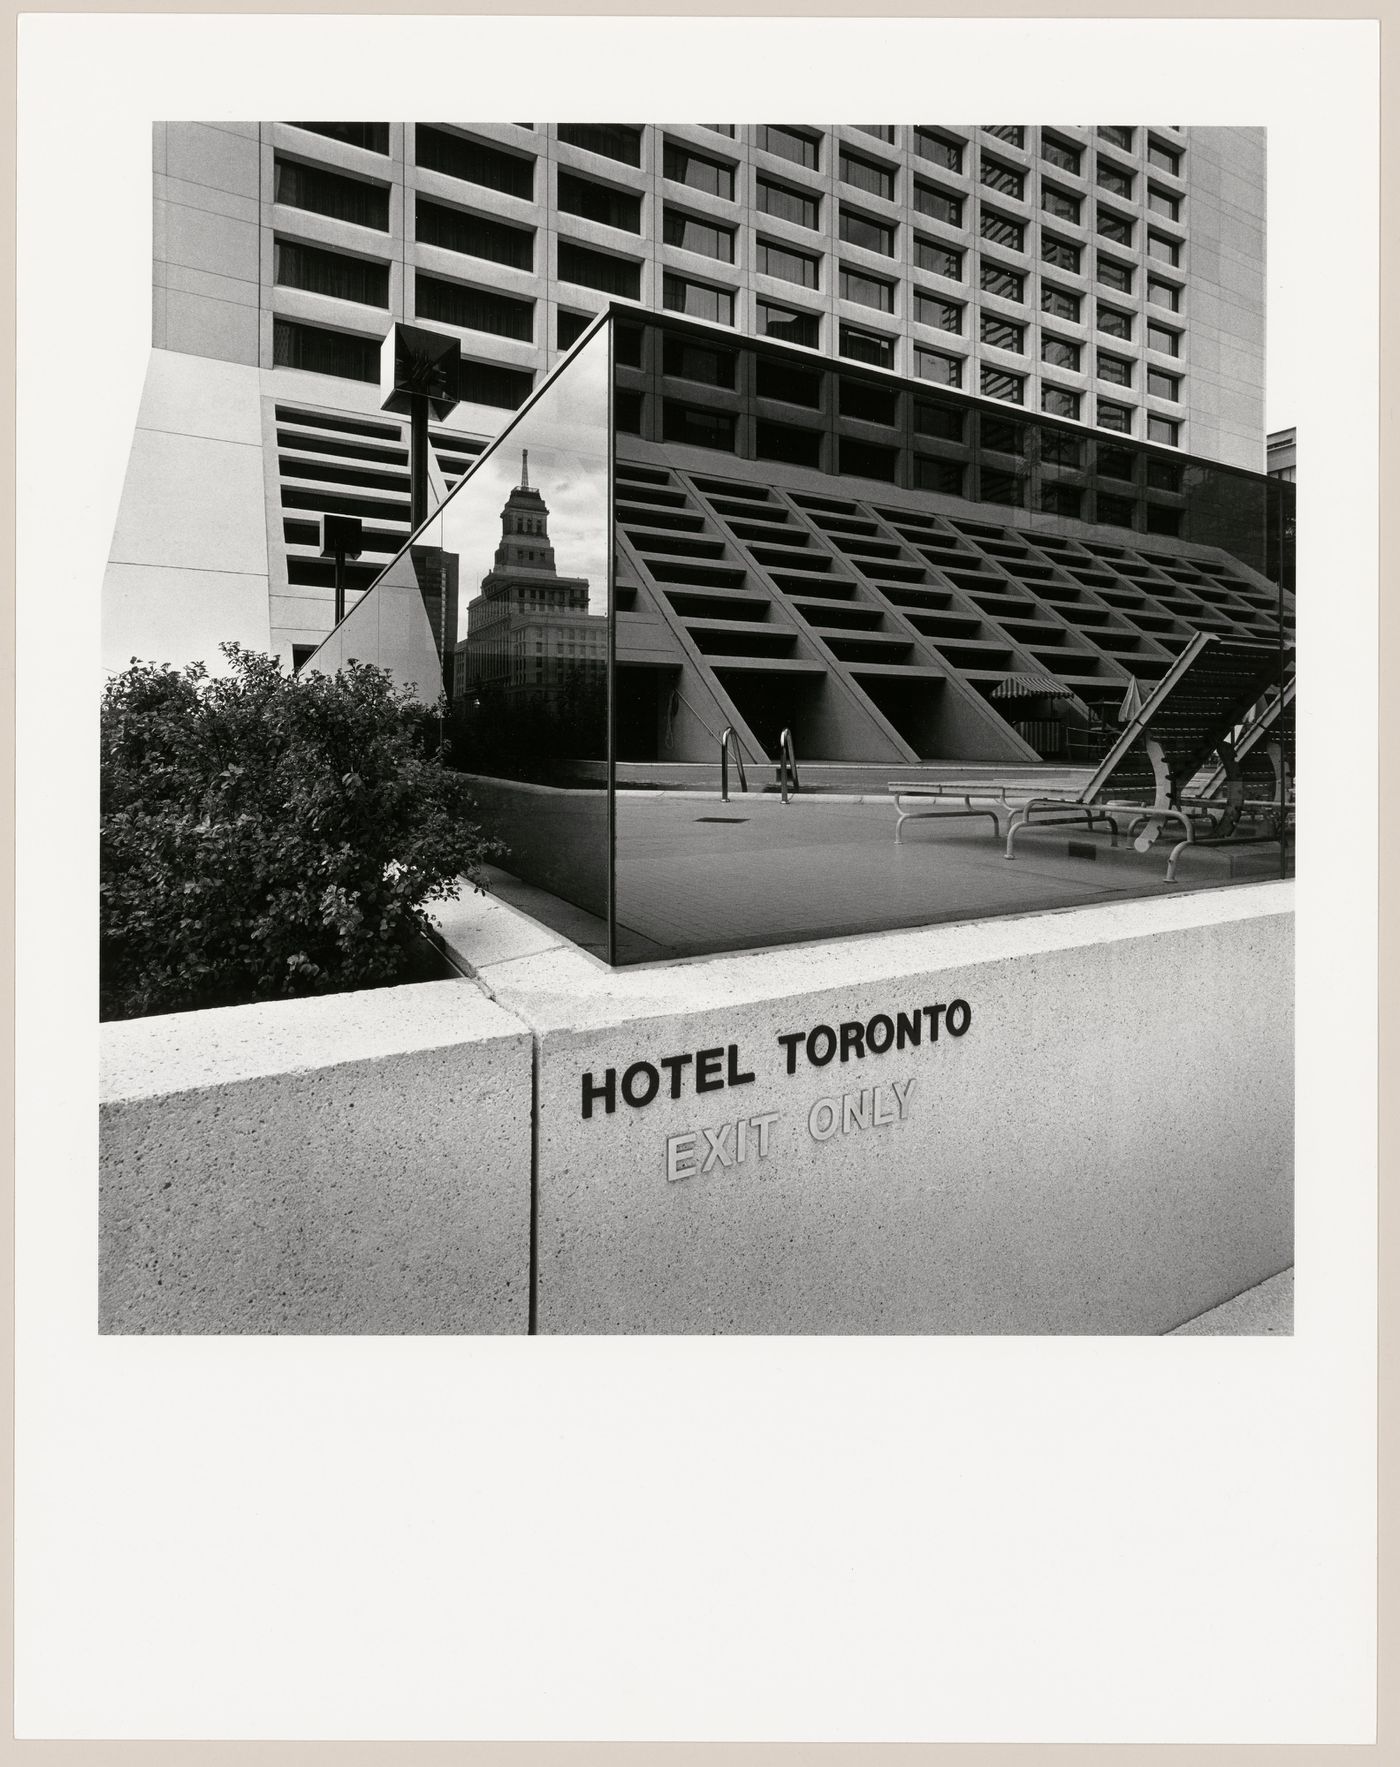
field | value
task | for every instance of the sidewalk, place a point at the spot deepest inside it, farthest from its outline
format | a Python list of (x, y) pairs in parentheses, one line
[(1265, 1311)]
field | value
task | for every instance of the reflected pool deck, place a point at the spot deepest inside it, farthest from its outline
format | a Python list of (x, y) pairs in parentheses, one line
[(696, 875)]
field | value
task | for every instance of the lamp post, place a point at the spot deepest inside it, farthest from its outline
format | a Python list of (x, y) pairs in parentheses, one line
[(342, 537), (419, 372)]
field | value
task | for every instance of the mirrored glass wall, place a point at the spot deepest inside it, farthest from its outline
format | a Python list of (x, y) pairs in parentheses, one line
[(742, 645), (497, 612)]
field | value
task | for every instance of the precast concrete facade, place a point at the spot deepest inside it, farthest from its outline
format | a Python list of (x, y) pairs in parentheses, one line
[(1111, 277)]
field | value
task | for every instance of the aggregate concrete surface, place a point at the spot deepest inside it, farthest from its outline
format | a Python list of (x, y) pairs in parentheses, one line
[(1107, 1149), (353, 1163)]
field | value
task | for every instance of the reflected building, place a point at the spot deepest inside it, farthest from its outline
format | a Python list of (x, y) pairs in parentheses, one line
[(529, 631)]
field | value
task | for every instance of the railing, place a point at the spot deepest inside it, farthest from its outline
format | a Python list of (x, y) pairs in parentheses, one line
[(787, 764), (729, 737)]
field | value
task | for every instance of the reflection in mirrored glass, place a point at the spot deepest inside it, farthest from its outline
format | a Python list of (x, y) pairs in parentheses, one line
[(871, 635), (496, 613)]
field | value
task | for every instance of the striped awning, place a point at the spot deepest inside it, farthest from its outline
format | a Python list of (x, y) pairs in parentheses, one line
[(1031, 687)]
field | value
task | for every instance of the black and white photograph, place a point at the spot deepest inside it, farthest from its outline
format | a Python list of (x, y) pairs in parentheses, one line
[(676, 798), (625, 545)]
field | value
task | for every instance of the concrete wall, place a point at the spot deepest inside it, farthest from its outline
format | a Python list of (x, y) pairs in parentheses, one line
[(1106, 1148), (356, 1163), (1224, 310), (188, 567), (1098, 1140)]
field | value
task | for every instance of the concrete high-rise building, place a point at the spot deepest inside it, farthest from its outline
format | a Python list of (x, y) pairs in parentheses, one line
[(1109, 277)]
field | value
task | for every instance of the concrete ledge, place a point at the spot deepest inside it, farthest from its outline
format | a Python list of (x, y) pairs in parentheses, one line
[(1106, 1148), (354, 1163)]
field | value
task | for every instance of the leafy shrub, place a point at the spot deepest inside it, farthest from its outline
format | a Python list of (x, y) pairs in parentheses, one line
[(266, 834)]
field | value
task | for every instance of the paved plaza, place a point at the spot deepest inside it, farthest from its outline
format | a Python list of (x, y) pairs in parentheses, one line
[(696, 874)]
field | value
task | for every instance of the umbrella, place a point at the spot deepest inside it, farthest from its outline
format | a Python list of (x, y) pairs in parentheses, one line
[(1031, 687), (1132, 702)]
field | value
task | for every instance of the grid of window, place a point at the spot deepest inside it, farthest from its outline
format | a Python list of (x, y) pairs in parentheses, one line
[(695, 427), (1117, 512), (487, 383), (781, 200), (590, 269), (692, 234), (869, 291), (1002, 230), (1059, 303), (1059, 449), (867, 346), (1060, 202), (934, 310), (473, 309), (698, 300), (1005, 334), (997, 383), (690, 361), (330, 193), (683, 166), (613, 141), (1063, 154), (939, 150), (791, 266), (1165, 158), (1059, 352), (942, 260), (1116, 370), (1059, 402), (604, 198), (1163, 429), (1062, 253), (790, 144), (1061, 500), (785, 326), (874, 236), (1115, 179), (794, 386), (474, 162), (316, 349), (998, 280), (942, 422), (1112, 274), (318, 271), (997, 175), (867, 175), (599, 202), (374, 137), (1113, 226), (940, 205), (944, 476), (937, 365), (474, 236)]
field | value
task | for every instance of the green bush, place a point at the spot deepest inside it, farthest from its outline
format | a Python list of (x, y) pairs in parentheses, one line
[(267, 835)]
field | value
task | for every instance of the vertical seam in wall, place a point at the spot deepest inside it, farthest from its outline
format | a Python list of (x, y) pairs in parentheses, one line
[(532, 1321)]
